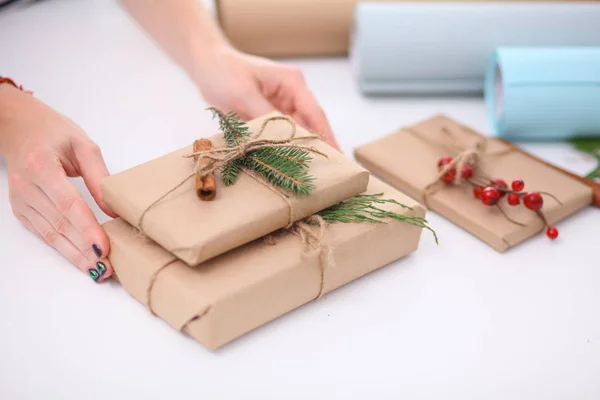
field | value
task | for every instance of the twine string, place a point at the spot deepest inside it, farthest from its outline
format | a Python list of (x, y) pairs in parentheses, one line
[(467, 154), (220, 156), (310, 231)]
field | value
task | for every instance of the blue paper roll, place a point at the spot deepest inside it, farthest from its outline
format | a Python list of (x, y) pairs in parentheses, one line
[(544, 93), (422, 47)]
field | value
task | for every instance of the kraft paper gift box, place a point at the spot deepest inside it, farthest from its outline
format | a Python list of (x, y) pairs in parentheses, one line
[(195, 230), (408, 160), (245, 288)]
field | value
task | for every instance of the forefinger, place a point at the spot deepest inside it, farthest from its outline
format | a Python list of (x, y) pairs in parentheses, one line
[(309, 110)]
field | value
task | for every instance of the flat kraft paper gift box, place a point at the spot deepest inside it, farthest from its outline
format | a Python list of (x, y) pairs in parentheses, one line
[(408, 160), (245, 288), (196, 230)]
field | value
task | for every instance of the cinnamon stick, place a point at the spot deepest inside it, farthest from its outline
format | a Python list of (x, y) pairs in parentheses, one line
[(206, 187), (587, 181)]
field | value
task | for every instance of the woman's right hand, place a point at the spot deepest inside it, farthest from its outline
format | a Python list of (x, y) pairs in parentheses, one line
[(43, 149)]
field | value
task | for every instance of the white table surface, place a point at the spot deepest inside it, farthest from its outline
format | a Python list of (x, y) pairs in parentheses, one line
[(458, 321)]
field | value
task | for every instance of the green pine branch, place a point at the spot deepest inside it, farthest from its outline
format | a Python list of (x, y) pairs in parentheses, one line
[(233, 128), (230, 171), (283, 167), (363, 209)]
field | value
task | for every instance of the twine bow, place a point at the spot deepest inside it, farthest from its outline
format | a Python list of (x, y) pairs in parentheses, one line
[(220, 156), (466, 155)]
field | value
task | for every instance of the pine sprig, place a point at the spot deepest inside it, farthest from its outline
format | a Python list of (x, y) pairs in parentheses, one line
[(230, 171), (233, 128), (284, 167), (363, 209)]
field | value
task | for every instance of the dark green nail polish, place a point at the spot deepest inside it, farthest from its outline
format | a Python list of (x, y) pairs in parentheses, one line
[(94, 274), (101, 267)]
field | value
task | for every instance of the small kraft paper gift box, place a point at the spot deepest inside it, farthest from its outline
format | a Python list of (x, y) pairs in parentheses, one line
[(162, 202), (245, 288), (450, 168)]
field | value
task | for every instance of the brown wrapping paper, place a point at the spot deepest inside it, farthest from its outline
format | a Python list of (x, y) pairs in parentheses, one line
[(196, 230), (291, 28), (409, 163), (247, 287)]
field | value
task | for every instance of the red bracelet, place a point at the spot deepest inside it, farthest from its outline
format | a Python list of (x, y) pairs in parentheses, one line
[(11, 82)]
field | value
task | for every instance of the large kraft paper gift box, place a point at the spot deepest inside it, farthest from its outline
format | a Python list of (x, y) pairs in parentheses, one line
[(232, 294), (294, 28), (240, 213), (408, 160)]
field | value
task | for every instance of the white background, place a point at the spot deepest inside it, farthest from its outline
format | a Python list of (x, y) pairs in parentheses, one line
[(454, 321)]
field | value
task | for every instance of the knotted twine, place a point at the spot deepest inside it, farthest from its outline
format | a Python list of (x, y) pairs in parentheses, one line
[(466, 155), (217, 157), (311, 231)]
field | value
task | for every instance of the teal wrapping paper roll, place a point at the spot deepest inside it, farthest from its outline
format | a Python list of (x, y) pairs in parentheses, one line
[(444, 47), (548, 93)]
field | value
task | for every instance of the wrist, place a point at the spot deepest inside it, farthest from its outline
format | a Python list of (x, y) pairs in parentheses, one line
[(13, 103), (209, 62)]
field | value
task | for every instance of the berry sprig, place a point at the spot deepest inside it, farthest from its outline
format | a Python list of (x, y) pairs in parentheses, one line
[(490, 192)]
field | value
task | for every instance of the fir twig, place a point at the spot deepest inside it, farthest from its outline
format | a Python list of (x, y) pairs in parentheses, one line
[(233, 128), (284, 167), (230, 171), (363, 209)]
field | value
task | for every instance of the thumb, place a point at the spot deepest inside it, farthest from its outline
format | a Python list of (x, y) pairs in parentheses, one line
[(92, 169)]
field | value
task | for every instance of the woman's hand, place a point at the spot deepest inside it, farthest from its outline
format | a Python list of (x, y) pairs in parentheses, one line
[(253, 86), (228, 79), (43, 149)]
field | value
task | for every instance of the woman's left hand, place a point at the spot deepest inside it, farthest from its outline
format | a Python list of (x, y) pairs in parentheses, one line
[(252, 86)]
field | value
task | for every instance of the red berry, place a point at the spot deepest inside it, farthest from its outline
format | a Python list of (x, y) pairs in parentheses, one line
[(513, 199), (467, 171), (552, 232), (444, 161), (518, 185), (477, 191), (500, 185), (533, 201), (449, 176), (490, 196)]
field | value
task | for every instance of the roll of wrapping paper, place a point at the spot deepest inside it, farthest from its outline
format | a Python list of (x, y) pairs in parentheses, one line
[(291, 28), (544, 93), (444, 48)]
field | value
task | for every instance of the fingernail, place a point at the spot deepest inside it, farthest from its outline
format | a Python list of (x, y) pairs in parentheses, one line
[(101, 267), (94, 274), (97, 250)]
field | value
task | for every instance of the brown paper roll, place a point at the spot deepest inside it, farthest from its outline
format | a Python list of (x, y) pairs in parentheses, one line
[(292, 28)]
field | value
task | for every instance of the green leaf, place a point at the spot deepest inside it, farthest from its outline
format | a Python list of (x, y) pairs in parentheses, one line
[(233, 128), (286, 168), (587, 145), (362, 209), (230, 171)]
